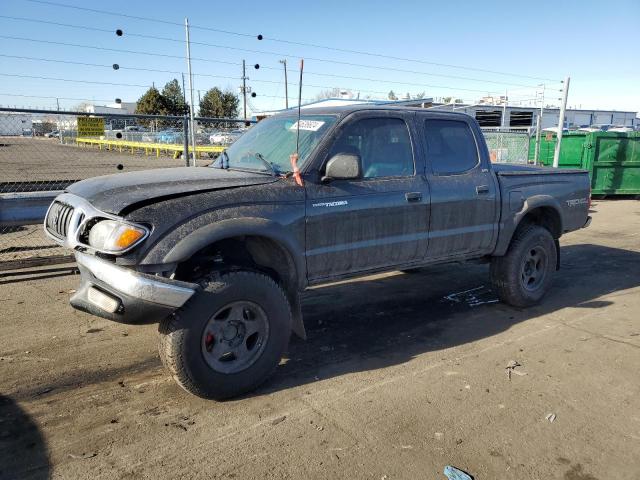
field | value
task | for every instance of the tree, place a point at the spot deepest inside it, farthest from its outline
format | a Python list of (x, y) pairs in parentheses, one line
[(151, 103), (216, 103), (419, 96), (174, 98), (392, 96)]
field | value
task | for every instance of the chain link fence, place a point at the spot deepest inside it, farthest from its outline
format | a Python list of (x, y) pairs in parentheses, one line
[(508, 145), (43, 152)]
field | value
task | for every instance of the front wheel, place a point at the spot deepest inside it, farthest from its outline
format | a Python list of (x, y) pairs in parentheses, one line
[(229, 337), (523, 275)]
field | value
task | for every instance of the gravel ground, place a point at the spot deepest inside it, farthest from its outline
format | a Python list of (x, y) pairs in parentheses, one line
[(395, 381), (26, 159)]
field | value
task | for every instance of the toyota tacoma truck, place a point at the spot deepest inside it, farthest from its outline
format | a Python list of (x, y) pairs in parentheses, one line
[(220, 255)]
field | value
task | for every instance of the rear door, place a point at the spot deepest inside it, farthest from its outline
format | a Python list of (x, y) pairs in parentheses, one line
[(464, 212), (375, 221)]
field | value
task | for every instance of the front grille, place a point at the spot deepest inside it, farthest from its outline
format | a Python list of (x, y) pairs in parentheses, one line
[(59, 219)]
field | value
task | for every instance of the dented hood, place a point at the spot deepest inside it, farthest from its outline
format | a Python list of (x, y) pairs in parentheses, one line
[(114, 193)]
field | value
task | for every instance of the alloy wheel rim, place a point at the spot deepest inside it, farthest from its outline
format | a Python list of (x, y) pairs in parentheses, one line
[(533, 269), (234, 337)]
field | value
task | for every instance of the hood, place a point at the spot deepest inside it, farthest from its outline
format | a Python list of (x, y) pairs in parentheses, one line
[(114, 193)]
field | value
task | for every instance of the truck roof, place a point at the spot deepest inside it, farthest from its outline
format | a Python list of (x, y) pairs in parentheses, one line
[(347, 109)]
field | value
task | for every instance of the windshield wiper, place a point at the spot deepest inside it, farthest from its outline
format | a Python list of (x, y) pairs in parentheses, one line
[(270, 165)]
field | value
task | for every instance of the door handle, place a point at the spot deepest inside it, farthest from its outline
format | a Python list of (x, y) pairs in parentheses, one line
[(413, 196), (481, 189)]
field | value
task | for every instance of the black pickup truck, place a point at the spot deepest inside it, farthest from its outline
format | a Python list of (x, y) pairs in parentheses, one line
[(219, 255)]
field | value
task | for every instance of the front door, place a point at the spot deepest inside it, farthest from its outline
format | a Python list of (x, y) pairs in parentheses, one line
[(375, 221)]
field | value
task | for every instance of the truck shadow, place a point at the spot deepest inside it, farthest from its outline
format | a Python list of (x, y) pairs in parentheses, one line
[(387, 320), (23, 450)]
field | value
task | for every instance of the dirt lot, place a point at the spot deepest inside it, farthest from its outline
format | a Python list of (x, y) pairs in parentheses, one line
[(44, 160), (395, 382), (39, 159)]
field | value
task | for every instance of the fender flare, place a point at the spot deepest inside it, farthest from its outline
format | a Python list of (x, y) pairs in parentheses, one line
[(206, 235), (513, 221)]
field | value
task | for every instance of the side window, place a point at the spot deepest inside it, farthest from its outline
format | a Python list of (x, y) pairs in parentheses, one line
[(451, 147), (383, 144)]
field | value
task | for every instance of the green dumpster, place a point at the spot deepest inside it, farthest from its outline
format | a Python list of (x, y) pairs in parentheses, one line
[(570, 153), (612, 159)]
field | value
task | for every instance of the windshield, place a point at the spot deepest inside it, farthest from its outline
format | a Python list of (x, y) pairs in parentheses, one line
[(271, 141)]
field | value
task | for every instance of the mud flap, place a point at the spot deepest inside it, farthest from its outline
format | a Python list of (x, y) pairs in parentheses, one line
[(297, 325), (557, 254)]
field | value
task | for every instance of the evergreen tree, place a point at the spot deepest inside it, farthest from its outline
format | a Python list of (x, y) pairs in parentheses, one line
[(216, 103), (151, 103), (174, 98)]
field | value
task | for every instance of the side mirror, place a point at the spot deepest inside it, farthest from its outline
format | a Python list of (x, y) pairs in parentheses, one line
[(342, 166)]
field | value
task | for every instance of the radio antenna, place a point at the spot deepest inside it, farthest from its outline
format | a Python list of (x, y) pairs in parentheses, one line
[(299, 103)]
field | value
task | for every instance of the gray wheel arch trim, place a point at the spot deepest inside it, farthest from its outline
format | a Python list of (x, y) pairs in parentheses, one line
[(507, 230), (234, 227)]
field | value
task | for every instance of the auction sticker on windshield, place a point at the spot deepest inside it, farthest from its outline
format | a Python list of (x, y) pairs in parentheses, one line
[(311, 125)]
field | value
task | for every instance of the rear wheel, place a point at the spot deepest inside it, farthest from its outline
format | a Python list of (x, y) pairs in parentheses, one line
[(524, 274), (229, 337)]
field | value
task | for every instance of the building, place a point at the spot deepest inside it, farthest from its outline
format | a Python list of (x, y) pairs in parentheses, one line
[(490, 110), (491, 116), (12, 124), (122, 108), (339, 102)]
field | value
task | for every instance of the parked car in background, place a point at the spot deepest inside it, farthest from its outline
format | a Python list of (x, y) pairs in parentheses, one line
[(170, 135), (52, 134), (225, 137), (135, 128), (621, 129)]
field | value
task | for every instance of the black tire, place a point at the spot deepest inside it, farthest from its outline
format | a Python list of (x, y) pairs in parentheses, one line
[(183, 339), (521, 278)]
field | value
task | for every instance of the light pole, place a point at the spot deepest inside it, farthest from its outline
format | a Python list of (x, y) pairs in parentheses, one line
[(563, 108), (286, 85), (191, 113)]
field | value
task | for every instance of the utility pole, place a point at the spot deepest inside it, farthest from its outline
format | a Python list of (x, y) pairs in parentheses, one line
[(191, 114), (286, 85), (536, 154), (244, 90), (504, 109), (563, 107), (184, 91)]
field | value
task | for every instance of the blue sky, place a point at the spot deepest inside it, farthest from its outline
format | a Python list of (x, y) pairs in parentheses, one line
[(593, 42)]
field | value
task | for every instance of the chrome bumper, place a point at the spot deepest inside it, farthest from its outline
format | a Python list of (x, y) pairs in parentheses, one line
[(134, 284)]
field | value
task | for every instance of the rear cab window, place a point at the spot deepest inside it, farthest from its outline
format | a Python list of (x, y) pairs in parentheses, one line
[(450, 146)]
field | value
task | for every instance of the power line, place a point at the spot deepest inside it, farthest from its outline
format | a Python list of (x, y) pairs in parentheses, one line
[(71, 80), (54, 98), (121, 67), (266, 52), (136, 52), (291, 42), (348, 77)]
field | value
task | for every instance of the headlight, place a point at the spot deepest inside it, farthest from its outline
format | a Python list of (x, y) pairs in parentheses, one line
[(112, 237)]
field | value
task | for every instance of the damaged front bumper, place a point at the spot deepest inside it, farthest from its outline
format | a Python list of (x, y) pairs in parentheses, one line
[(123, 295)]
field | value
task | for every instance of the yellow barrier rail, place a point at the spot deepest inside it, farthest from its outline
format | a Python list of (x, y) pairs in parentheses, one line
[(148, 148)]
